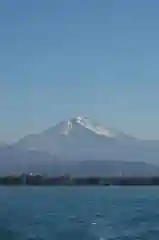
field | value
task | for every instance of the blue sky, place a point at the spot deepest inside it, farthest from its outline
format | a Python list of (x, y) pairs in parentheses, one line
[(64, 58)]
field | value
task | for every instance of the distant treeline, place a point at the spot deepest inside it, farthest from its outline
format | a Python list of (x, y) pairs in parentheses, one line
[(28, 179)]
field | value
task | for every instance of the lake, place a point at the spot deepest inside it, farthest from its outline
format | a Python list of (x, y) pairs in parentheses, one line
[(79, 213)]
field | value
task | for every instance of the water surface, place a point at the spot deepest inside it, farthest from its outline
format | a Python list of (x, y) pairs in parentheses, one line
[(79, 213)]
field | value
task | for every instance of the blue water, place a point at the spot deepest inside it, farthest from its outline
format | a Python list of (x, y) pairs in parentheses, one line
[(79, 213)]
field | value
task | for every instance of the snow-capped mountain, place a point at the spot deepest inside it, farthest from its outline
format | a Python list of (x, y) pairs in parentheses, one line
[(86, 123), (66, 127), (78, 138), (79, 146)]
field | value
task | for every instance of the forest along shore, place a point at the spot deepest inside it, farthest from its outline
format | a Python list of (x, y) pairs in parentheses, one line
[(40, 180)]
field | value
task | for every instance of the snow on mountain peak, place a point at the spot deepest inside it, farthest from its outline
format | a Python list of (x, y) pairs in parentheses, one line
[(88, 124), (79, 123)]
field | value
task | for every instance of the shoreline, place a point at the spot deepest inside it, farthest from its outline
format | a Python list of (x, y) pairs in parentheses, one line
[(66, 180)]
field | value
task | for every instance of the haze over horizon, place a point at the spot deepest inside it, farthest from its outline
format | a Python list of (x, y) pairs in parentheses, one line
[(61, 59)]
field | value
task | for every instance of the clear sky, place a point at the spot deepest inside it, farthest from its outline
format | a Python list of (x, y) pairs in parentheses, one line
[(62, 58)]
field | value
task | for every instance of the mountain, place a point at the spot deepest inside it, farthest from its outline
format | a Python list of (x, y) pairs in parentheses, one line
[(81, 139), (78, 139), (15, 161), (79, 146)]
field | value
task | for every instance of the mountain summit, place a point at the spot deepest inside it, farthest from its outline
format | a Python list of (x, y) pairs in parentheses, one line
[(88, 124), (84, 122)]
